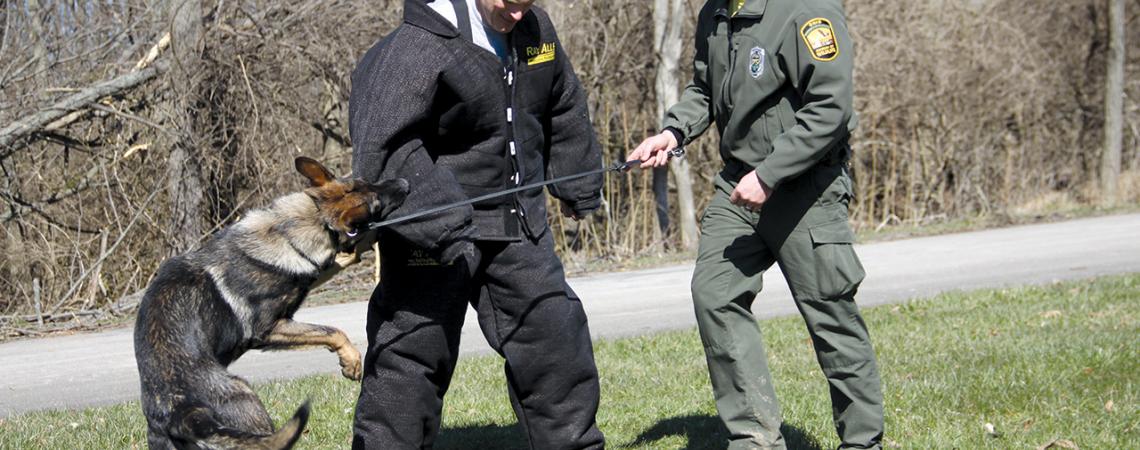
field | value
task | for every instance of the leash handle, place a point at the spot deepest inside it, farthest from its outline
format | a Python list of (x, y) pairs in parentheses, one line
[(677, 152)]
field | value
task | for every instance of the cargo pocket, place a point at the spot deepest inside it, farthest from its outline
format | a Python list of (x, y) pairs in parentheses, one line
[(838, 270)]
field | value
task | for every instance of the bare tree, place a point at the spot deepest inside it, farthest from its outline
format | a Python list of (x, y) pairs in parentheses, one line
[(87, 149), (668, 19), (36, 20), (1113, 103), (184, 169)]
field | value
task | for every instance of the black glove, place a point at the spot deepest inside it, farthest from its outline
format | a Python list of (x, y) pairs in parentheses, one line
[(581, 208)]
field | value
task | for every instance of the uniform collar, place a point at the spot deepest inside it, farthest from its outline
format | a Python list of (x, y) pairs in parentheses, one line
[(417, 13), (751, 8)]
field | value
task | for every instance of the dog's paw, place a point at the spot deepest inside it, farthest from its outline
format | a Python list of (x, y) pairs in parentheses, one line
[(345, 259), (351, 366)]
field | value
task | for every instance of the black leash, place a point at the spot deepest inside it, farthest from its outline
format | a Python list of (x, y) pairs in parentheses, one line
[(617, 167)]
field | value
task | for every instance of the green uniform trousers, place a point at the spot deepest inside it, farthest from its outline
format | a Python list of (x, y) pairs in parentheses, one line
[(803, 227)]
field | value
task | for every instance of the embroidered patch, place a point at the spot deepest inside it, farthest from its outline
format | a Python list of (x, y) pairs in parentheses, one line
[(539, 55), (820, 39), (756, 62)]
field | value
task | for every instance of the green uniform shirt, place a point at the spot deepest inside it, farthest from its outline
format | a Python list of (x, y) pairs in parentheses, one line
[(776, 78)]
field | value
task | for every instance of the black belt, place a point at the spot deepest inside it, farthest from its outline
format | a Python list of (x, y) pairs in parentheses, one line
[(734, 169)]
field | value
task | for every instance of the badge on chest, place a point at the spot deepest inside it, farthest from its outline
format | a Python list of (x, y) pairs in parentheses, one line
[(756, 62)]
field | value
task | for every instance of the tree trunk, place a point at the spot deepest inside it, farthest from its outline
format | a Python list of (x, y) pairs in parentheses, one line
[(36, 20), (667, 24), (15, 267), (1113, 103), (183, 170)]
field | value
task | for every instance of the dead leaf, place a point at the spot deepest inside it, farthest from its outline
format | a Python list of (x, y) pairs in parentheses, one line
[(1109, 405), (893, 444), (990, 431), (1025, 426), (1059, 443), (1087, 370), (135, 148), (1051, 314)]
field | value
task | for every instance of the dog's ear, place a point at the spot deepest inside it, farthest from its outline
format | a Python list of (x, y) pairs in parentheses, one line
[(317, 174), (391, 194)]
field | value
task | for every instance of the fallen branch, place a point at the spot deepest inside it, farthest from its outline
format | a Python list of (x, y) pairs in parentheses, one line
[(133, 117), (12, 137), (41, 318), (128, 302), (151, 55)]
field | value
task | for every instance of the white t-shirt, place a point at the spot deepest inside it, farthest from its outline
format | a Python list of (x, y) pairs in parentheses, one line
[(482, 36)]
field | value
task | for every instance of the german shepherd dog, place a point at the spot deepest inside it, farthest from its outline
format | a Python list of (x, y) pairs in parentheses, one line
[(239, 291)]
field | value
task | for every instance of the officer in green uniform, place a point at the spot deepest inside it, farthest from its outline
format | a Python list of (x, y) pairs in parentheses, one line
[(775, 77)]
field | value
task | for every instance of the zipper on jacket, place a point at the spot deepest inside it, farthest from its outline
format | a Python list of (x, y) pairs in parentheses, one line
[(511, 78), (726, 85)]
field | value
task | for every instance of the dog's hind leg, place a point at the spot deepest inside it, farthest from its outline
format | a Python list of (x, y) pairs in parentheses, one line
[(199, 427), (288, 334)]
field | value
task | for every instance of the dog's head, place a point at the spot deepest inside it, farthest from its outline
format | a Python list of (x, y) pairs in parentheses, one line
[(347, 205)]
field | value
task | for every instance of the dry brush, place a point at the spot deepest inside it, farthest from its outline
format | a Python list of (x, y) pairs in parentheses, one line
[(967, 108)]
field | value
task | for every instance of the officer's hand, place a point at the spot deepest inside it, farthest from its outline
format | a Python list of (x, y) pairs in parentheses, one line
[(750, 193), (654, 150)]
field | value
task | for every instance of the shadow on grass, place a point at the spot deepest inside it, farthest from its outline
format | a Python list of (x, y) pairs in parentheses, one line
[(706, 433), (701, 432), (505, 437)]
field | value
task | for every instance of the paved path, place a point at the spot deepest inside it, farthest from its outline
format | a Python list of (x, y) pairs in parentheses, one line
[(94, 369)]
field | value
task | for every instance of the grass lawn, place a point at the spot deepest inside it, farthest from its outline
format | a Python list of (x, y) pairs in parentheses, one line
[(1059, 362)]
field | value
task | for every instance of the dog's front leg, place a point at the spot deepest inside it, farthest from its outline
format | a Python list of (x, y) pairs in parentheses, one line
[(288, 334)]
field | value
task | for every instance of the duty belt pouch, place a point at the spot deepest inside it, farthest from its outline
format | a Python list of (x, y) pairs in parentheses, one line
[(734, 169), (839, 154)]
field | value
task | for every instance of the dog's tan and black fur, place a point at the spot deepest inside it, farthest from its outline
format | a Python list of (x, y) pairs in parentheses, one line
[(238, 292)]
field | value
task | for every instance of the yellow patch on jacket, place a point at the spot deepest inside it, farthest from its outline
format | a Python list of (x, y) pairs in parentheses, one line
[(539, 55), (820, 39)]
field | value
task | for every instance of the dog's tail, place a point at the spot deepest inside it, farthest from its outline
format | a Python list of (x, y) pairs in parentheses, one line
[(201, 427)]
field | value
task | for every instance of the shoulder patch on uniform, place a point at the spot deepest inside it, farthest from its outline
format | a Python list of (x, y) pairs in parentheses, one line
[(820, 39)]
